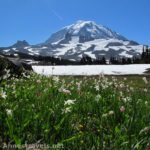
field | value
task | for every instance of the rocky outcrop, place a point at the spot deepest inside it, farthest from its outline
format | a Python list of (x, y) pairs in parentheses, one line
[(13, 67)]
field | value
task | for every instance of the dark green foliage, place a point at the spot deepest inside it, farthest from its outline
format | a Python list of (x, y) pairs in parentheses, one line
[(145, 57)]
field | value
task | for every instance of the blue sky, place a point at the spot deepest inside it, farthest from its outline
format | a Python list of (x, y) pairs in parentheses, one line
[(36, 20)]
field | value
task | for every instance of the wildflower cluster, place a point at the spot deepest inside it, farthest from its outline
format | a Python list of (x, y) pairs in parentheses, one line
[(78, 112)]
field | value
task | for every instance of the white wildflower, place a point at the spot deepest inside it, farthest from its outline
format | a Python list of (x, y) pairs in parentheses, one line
[(97, 98), (105, 86), (38, 81), (122, 85), (145, 130), (121, 93), (66, 110), (69, 102), (122, 109), (104, 115), (6, 75), (145, 80), (111, 112), (97, 87), (78, 86), (3, 94), (9, 112), (131, 89), (145, 90), (56, 79), (126, 99), (125, 79), (65, 91)]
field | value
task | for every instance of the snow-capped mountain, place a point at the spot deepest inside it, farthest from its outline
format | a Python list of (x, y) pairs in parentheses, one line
[(79, 39), (86, 31)]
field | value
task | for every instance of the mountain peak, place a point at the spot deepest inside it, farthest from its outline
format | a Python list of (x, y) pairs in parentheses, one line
[(87, 26), (21, 43), (87, 30), (82, 23)]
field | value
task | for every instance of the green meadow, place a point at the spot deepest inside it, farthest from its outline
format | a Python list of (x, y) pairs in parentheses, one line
[(103, 112)]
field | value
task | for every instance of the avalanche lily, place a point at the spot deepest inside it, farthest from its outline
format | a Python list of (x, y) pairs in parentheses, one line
[(69, 102)]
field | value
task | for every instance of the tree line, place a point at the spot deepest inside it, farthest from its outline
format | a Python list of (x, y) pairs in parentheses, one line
[(145, 56), (141, 59)]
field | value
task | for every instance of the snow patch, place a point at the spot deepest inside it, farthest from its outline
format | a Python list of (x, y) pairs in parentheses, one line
[(92, 69), (7, 50)]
